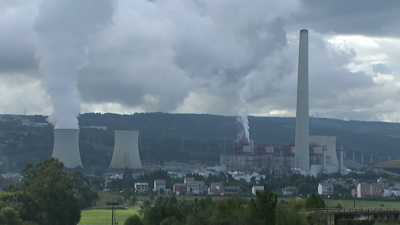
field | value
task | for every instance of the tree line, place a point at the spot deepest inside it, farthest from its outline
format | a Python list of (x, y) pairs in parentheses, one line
[(47, 195), (263, 209)]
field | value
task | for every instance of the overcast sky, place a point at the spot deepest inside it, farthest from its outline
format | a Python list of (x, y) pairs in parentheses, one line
[(205, 56)]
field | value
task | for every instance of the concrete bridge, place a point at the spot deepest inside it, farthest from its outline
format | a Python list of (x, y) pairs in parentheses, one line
[(360, 214), (368, 156)]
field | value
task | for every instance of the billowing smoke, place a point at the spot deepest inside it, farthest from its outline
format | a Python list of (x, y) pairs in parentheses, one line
[(64, 28), (243, 113), (242, 118)]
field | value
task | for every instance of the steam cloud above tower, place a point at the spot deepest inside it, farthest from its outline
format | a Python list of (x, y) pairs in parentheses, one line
[(64, 29), (195, 56)]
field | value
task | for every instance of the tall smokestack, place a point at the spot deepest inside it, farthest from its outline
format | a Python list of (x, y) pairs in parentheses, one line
[(324, 150), (66, 147), (302, 126), (126, 150)]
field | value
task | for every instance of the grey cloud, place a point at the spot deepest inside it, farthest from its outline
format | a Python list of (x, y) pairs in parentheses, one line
[(204, 56), (365, 17), (381, 68), (16, 40), (178, 51)]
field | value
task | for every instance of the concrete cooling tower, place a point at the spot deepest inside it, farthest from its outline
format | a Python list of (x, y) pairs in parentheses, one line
[(330, 142), (302, 151), (126, 150), (66, 147)]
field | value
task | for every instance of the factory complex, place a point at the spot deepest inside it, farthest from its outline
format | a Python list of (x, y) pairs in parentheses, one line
[(308, 155)]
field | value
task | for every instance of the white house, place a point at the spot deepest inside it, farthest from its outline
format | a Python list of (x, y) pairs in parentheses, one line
[(254, 189), (289, 190), (390, 192), (159, 184), (193, 189)]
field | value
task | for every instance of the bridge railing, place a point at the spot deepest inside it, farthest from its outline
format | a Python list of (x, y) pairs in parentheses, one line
[(352, 210)]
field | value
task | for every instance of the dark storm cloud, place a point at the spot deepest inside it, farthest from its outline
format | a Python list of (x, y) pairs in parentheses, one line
[(363, 17)]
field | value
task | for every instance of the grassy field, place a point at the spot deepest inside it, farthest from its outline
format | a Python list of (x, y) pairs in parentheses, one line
[(363, 203), (109, 198), (358, 203), (329, 203), (103, 216)]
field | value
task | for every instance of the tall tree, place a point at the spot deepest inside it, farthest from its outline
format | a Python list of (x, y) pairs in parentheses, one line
[(9, 216), (48, 195), (87, 195), (127, 178), (263, 208), (314, 201)]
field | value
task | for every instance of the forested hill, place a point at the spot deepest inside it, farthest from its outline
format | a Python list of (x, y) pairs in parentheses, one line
[(165, 137), (359, 135)]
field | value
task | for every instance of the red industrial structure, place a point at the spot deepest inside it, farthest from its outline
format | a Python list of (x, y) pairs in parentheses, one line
[(287, 149), (265, 148), (238, 148), (313, 146)]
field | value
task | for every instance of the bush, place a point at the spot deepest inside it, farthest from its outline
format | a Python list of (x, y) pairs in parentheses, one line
[(133, 220)]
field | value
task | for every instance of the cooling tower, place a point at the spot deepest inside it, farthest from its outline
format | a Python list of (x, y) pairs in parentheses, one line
[(126, 150), (66, 147), (302, 160)]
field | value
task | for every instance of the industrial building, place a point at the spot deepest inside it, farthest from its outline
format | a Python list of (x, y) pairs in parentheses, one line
[(126, 150), (308, 155), (66, 147), (246, 157)]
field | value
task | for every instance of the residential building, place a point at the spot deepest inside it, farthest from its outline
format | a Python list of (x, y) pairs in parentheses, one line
[(383, 182), (141, 187), (254, 189), (289, 190), (202, 186), (369, 189), (391, 192), (179, 189), (189, 180), (325, 188), (231, 190), (159, 184), (216, 189), (193, 189)]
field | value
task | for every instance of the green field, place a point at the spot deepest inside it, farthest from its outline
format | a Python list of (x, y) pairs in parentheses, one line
[(359, 203), (363, 203), (103, 216)]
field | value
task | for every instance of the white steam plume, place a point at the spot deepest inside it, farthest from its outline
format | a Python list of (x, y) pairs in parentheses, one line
[(243, 114), (64, 29), (244, 95)]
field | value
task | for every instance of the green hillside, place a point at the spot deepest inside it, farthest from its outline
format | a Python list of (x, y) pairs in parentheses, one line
[(165, 137)]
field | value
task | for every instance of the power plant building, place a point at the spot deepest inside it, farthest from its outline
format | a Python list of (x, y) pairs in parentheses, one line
[(126, 150), (66, 147), (308, 155), (330, 143), (265, 156)]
